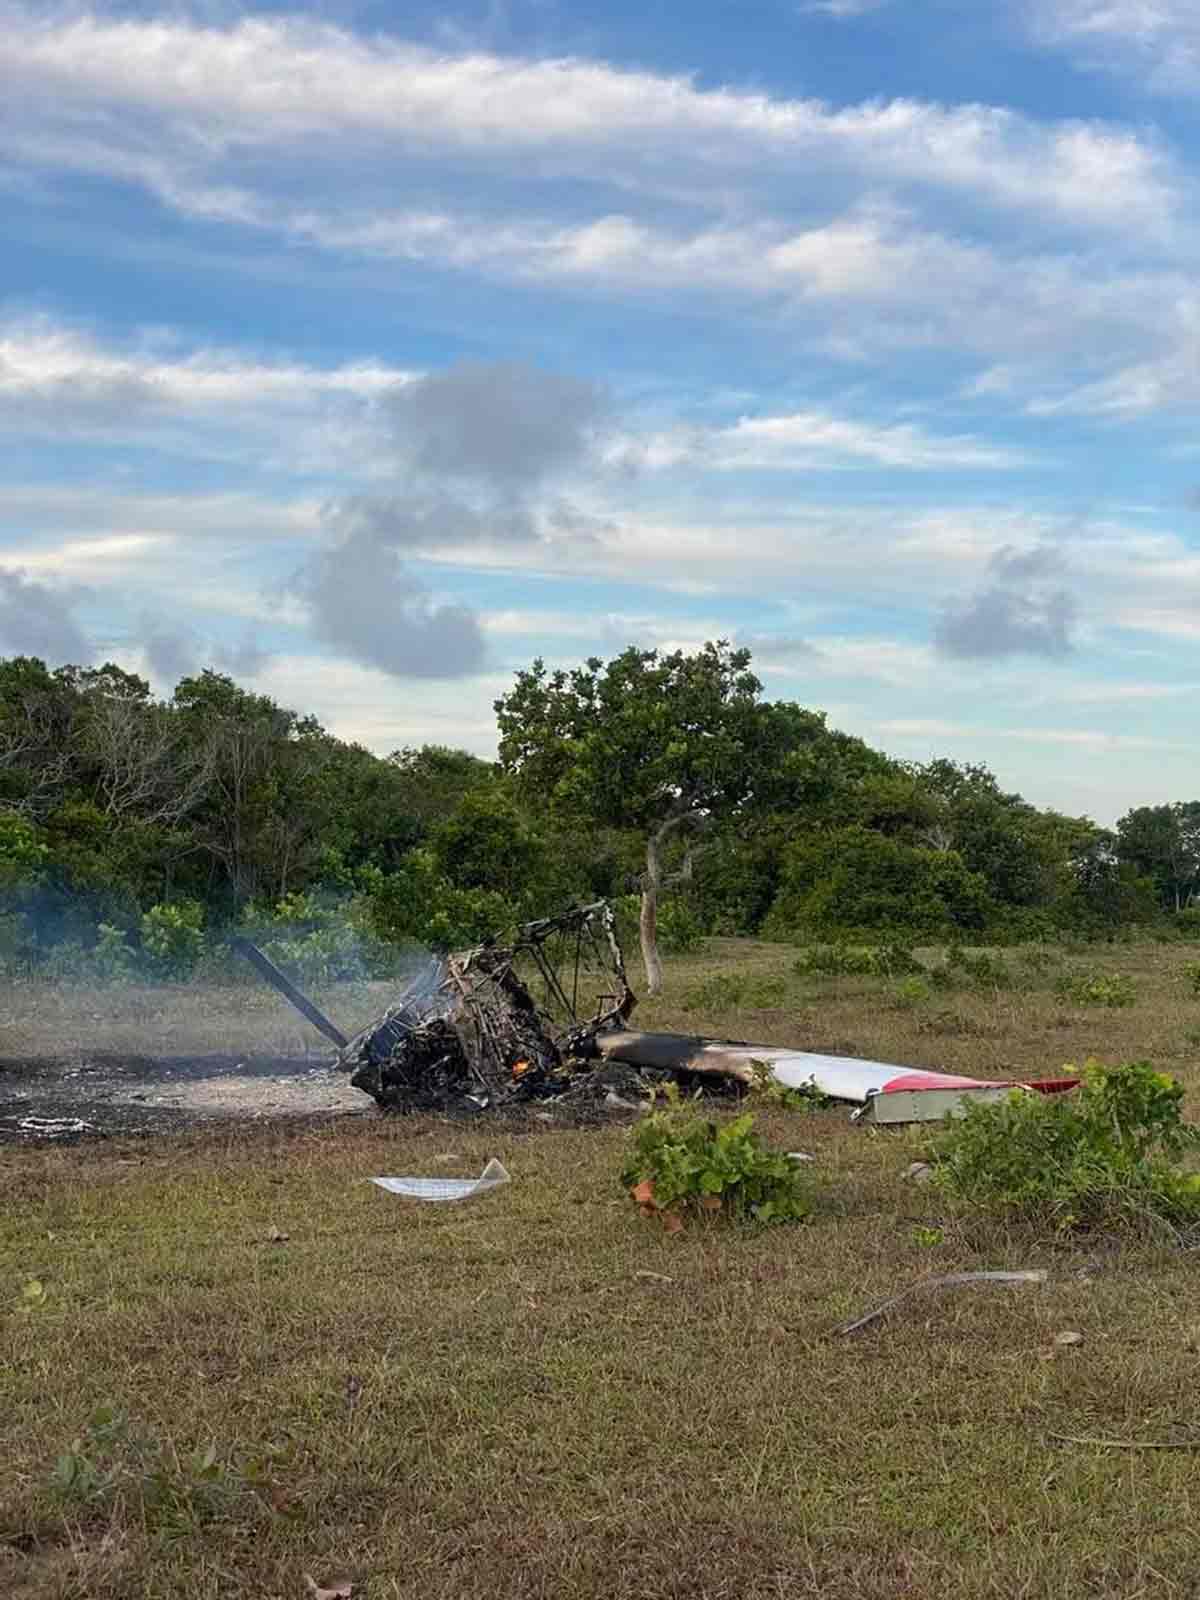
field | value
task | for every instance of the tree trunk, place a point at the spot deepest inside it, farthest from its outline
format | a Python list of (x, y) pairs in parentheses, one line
[(648, 921), (648, 928), (653, 883)]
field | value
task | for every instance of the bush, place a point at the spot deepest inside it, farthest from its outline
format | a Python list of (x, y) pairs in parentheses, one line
[(1191, 975), (680, 1163), (112, 961), (728, 991), (1100, 1155), (840, 960), (680, 930), (173, 938), (1098, 989), (320, 940), (912, 992)]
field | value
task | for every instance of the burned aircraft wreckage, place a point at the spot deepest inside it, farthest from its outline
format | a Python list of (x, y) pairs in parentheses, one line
[(491, 1026), (544, 1016)]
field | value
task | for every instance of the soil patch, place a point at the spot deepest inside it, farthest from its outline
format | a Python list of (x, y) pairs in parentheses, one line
[(66, 1098)]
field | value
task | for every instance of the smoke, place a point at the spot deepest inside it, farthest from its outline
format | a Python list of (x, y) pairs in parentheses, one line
[(1020, 611)]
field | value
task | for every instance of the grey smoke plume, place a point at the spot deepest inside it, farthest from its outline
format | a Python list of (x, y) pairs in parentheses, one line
[(1020, 611), (37, 620)]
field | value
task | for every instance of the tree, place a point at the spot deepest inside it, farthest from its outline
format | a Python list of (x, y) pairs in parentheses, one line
[(667, 745), (1163, 843)]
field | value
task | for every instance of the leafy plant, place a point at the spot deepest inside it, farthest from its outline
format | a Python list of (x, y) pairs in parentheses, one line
[(1104, 1153), (1114, 990), (113, 961), (792, 1097), (928, 1238), (1191, 975), (680, 1162), (116, 1463), (173, 938), (979, 969), (912, 992), (839, 960), (727, 991)]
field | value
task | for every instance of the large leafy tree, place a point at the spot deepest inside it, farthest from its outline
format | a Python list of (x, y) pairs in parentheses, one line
[(666, 745), (1163, 843)]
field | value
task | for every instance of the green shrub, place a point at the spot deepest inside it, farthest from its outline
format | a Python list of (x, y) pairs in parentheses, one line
[(1040, 958), (730, 991), (679, 928), (1103, 1154), (173, 938), (840, 960), (319, 939), (702, 1167), (1191, 975), (113, 960), (791, 1097), (979, 969), (912, 992), (1098, 989)]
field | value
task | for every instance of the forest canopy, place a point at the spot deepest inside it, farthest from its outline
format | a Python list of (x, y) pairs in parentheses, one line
[(136, 831)]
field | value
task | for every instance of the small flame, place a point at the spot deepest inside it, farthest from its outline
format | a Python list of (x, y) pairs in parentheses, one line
[(520, 1068)]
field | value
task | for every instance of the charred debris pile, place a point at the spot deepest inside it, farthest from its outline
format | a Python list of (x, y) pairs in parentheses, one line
[(502, 1024)]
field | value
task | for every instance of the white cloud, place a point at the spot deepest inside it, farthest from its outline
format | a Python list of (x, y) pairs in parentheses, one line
[(43, 359), (808, 440), (1157, 41), (176, 98), (844, 9), (361, 703), (57, 380)]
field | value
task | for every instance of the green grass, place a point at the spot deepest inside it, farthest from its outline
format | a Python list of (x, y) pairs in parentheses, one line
[(540, 1395)]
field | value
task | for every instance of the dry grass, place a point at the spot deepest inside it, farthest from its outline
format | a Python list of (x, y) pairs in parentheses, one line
[(174, 1019), (555, 1400)]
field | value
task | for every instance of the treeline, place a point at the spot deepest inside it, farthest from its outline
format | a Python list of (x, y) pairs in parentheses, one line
[(136, 833)]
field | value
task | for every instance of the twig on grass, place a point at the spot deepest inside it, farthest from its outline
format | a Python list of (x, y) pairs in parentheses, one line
[(951, 1280), (1128, 1444)]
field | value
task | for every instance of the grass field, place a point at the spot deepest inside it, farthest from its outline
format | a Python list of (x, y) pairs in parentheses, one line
[(541, 1395)]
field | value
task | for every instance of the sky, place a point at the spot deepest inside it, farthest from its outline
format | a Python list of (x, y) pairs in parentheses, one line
[(366, 352)]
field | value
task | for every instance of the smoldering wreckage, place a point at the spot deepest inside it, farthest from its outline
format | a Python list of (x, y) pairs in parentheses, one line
[(544, 1018)]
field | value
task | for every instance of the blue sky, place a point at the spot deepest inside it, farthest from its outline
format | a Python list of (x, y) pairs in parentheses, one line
[(368, 351)]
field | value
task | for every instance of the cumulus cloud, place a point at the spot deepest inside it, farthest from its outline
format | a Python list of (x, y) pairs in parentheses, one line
[(1021, 610), (479, 452), (177, 650), (504, 425), (171, 652), (370, 608), (39, 620)]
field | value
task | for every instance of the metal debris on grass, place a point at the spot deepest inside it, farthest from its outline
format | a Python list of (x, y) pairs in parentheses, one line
[(492, 1176), (544, 1016)]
